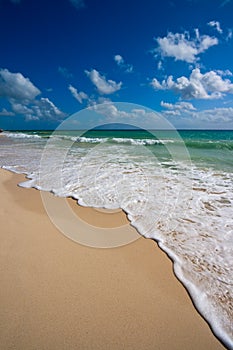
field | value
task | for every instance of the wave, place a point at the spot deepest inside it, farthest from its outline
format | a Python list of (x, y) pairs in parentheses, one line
[(114, 140), (82, 139), (21, 135), (190, 143), (140, 142), (91, 140), (218, 144), (198, 144)]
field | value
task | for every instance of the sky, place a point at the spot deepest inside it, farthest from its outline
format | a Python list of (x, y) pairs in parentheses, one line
[(58, 57)]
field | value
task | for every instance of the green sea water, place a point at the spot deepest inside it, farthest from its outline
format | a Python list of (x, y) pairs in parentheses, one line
[(211, 148)]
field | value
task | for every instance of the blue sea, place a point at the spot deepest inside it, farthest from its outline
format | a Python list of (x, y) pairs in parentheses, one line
[(176, 188)]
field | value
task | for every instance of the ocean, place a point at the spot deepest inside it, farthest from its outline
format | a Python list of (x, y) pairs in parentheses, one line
[(177, 190)]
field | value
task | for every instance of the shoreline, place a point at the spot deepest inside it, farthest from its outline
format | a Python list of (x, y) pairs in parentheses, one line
[(59, 294)]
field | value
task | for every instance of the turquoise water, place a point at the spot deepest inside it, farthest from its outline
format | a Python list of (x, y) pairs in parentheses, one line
[(175, 188), (213, 148)]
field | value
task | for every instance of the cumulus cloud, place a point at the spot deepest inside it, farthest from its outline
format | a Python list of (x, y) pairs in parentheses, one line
[(216, 25), (46, 109), (42, 109), (210, 85), (121, 63), (20, 108), (23, 97), (78, 4), (16, 86), (79, 96), (157, 86), (103, 85), (181, 47)]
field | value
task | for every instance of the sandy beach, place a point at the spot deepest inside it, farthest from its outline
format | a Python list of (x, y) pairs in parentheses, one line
[(58, 294)]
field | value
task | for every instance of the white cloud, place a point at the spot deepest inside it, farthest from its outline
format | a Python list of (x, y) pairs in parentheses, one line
[(103, 85), (16, 86), (206, 42), (177, 109), (216, 118), (224, 73), (42, 109), (119, 59), (160, 65), (178, 106), (156, 85), (121, 63), (20, 108), (22, 95), (181, 47), (78, 4), (185, 115), (216, 25), (215, 115), (4, 112), (92, 101), (181, 114), (138, 115), (46, 109), (80, 96), (209, 85)]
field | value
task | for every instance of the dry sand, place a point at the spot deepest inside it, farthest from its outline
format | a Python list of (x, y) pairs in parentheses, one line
[(58, 294)]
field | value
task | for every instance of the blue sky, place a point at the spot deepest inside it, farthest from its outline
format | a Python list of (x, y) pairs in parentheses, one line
[(58, 57)]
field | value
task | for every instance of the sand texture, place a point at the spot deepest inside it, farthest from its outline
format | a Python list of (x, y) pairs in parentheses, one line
[(58, 294)]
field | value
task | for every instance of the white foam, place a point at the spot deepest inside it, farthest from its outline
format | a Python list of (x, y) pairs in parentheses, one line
[(21, 135), (81, 139), (140, 142)]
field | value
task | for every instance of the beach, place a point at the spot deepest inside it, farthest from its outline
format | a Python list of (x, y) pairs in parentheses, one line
[(58, 294)]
